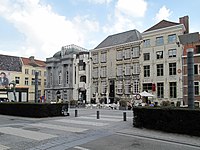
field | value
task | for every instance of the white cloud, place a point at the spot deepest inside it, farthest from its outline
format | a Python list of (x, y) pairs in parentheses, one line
[(163, 13), (134, 8), (99, 1), (46, 31), (126, 16)]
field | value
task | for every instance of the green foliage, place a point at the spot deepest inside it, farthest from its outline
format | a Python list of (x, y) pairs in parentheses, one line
[(123, 103), (73, 102), (165, 103), (169, 119), (37, 110)]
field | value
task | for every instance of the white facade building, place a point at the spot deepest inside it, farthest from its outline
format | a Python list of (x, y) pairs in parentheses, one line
[(161, 61)]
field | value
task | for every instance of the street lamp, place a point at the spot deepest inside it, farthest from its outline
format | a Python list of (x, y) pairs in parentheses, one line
[(12, 85)]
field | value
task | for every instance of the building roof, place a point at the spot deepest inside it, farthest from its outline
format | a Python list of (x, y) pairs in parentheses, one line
[(69, 49), (120, 38), (10, 63), (162, 24), (33, 62)]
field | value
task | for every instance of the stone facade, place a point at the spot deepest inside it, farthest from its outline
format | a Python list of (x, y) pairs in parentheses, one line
[(115, 67), (65, 79), (161, 61)]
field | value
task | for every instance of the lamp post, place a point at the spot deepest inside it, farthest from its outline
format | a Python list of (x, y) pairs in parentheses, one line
[(12, 84)]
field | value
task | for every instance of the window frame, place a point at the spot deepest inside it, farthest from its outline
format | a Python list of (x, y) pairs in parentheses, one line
[(146, 56), (159, 55), (160, 90), (171, 38), (159, 41), (146, 70), (160, 69), (172, 69), (171, 53), (135, 52), (172, 90)]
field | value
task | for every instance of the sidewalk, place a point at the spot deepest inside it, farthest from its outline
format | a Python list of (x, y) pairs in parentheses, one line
[(162, 136)]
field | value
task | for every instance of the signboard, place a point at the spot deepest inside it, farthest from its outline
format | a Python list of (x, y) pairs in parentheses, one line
[(4, 80)]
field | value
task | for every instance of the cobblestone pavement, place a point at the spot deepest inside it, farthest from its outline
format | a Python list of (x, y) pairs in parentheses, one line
[(20, 133), (86, 132)]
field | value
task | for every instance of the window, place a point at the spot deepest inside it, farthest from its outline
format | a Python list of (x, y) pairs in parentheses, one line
[(196, 88), (159, 54), (103, 57), (119, 55), (160, 90), (103, 71), (198, 49), (146, 43), (33, 72), (51, 79), (147, 86), (39, 93), (45, 73), (83, 79), (159, 41), (146, 56), (172, 38), (67, 73), (95, 72), (136, 68), (128, 69), (103, 87), (147, 71), (33, 81), (95, 83), (26, 81), (95, 58), (127, 87), (196, 69), (17, 80), (172, 68), (127, 53), (45, 82), (172, 89), (119, 70), (172, 53), (82, 66), (135, 52), (59, 77), (39, 73), (160, 70), (135, 87), (26, 71), (39, 81), (81, 57), (119, 87)]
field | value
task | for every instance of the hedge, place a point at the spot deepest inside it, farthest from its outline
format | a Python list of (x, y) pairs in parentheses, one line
[(36, 110), (175, 120)]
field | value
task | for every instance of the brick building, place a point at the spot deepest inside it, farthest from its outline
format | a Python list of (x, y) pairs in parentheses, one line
[(196, 47)]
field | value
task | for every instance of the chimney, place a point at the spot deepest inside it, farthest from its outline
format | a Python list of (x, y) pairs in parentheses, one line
[(185, 21), (32, 59)]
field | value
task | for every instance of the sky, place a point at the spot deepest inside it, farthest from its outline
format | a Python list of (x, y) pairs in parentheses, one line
[(41, 27)]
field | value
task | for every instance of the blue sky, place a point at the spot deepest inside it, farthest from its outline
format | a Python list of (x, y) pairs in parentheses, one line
[(42, 27)]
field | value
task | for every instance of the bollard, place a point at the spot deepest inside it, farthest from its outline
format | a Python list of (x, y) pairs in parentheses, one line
[(124, 116), (76, 113), (97, 114)]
